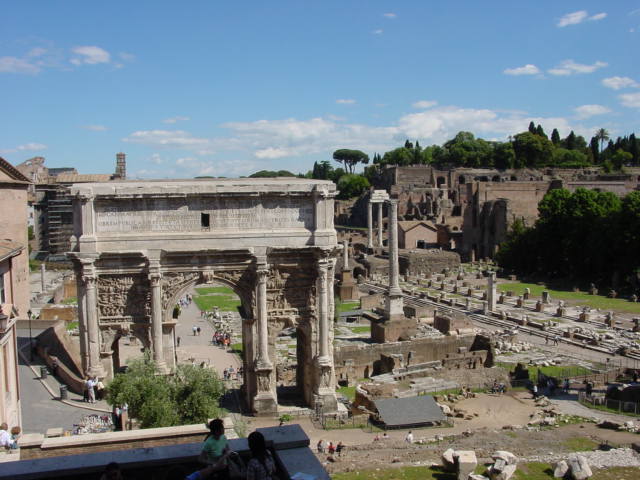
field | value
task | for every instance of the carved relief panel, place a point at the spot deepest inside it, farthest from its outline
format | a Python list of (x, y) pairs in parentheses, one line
[(290, 290), (124, 298), (172, 283)]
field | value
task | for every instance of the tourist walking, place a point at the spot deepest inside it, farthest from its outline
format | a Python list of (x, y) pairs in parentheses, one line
[(409, 437), (91, 393), (320, 446)]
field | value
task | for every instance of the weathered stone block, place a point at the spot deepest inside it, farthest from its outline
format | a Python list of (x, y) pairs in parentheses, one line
[(466, 463)]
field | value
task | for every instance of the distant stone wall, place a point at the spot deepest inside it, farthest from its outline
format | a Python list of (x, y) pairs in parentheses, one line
[(362, 361), (427, 261)]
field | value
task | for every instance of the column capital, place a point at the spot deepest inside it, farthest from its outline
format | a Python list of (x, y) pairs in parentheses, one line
[(155, 278), (392, 201)]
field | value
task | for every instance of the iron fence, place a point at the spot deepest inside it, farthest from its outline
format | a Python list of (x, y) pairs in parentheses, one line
[(600, 401)]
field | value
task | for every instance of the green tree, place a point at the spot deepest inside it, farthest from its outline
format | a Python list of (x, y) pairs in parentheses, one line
[(190, 396), (532, 150), (400, 156), (272, 174), (620, 159), (352, 185), (350, 158), (503, 156), (555, 137), (602, 135)]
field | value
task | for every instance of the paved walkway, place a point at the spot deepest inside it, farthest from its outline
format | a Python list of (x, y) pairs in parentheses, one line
[(198, 348), (569, 405), (40, 403)]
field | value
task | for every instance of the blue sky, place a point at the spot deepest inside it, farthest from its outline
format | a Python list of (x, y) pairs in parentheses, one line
[(228, 88)]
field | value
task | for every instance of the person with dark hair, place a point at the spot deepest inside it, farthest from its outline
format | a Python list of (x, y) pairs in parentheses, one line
[(215, 449), (261, 466)]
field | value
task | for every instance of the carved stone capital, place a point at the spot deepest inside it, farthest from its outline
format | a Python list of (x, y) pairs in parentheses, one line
[(155, 278)]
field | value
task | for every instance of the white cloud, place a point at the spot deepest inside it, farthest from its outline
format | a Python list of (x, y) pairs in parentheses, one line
[(26, 147), (580, 16), (598, 16), (175, 119), (17, 65), (573, 18), (586, 111), (345, 101), (616, 83), (167, 138), (424, 104), (527, 69), (631, 100), (390, 15), (569, 67), (95, 128), (293, 139), (90, 55), (127, 57), (36, 52), (379, 31), (29, 147), (272, 153)]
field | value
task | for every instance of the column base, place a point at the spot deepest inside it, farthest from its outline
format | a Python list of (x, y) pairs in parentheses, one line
[(325, 401), (264, 404), (394, 305), (162, 367)]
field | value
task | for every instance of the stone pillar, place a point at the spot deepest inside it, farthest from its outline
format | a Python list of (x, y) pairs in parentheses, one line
[(82, 323), (325, 398), (370, 224), (89, 278), (345, 255), (264, 402), (395, 304), (263, 328), (491, 291), (380, 224), (155, 279), (323, 310), (43, 283)]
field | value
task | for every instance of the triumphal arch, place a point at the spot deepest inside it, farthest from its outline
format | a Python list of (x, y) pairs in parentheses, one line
[(138, 246)]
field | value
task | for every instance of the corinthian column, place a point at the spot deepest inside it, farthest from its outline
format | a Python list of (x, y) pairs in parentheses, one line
[(370, 224), (394, 277), (323, 310), (380, 224), (91, 315), (156, 320), (263, 360), (394, 304)]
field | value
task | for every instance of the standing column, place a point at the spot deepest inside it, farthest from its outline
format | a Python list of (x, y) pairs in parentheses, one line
[(345, 255), (82, 323), (491, 291), (323, 311), (380, 205), (370, 224), (394, 276), (156, 321), (263, 360), (91, 315), (394, 301)]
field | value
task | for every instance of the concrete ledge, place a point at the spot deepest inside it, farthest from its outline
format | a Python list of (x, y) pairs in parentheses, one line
[(30, 440), (120, 437)]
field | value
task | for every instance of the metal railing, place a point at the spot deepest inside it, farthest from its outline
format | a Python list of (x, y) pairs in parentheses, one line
[(608, 404)]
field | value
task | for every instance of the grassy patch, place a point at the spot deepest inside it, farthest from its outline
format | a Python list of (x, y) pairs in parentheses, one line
[(533, 471), (580, 444), (210, 290), (363, 329), (72, 326), (224, 302), (348, 306), (604, 408), (405, 473), (581, 298), (556, 371), (526, 471), (349, 392), (70, 301)]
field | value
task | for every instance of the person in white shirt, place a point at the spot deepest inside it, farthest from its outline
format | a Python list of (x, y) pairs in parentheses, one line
[(5, 438), (409, 437)]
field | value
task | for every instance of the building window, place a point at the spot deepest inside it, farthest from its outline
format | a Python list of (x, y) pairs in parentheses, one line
[(204, 220), (2, 295)]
